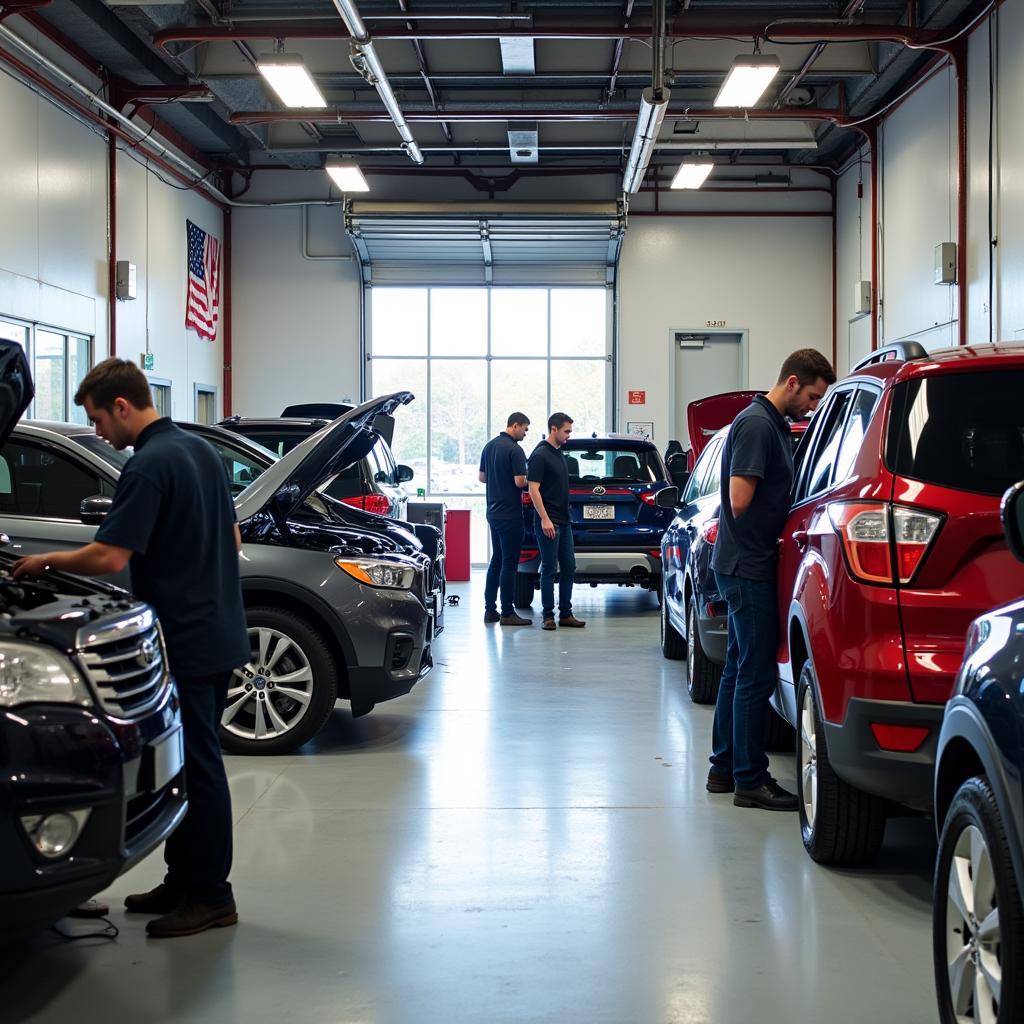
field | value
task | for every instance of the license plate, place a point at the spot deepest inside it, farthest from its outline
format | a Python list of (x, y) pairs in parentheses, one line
[(168, 757), (598, 511)]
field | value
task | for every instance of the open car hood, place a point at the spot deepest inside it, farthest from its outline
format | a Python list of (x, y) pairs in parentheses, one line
[(707, 416), (314, 462), (16, 389)]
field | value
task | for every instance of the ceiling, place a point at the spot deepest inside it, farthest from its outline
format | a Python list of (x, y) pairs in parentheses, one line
[(568, 75)]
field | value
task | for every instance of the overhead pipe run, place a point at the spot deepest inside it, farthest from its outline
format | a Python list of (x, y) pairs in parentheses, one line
[(653, 105)]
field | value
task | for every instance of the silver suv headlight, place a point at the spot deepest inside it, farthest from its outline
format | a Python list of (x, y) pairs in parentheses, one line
[(379, 572), (32, 674)]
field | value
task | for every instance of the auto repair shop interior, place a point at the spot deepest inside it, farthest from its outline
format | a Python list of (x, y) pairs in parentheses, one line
[(344, 240)]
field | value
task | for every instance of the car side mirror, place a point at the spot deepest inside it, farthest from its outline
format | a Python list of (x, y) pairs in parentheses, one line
[(405, 474), (667, 497), (95, 509), (1013, 519)]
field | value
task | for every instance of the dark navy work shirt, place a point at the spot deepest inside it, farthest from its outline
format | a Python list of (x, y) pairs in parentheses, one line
[(501, 461), (759, 445), (173, 510), (548, 468)]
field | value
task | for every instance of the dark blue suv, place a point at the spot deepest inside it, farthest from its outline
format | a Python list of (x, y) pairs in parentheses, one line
[(621, 498), (978, 917)]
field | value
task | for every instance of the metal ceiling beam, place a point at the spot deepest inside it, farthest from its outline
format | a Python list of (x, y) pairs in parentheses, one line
[(421, 60), (620, 45)]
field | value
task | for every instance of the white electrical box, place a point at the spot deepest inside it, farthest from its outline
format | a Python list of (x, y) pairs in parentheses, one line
[(862, 299), (945, 263), (125, 286)]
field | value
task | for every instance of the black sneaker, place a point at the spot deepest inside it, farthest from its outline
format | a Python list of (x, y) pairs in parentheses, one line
[(161, 900), (492, 617), (190, 918), (719, 782), (769, 796)]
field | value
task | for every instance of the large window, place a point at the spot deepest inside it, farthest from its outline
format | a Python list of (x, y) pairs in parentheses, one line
[(473, 355)]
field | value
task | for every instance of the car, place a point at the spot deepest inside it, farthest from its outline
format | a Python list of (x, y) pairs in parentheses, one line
[(892, 546), (91, 755), (340, 603), (977, 912), (374, 483), (620, 501)]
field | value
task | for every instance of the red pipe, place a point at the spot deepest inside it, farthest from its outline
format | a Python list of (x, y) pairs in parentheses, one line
[(226, 323), (112, 243)]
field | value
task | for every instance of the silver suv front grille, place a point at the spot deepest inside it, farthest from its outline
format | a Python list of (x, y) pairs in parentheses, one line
[(124, 661)]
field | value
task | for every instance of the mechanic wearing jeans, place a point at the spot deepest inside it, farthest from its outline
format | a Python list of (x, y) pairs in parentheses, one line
[(756, 489), (503, 469), (172, 520), (548, 479)]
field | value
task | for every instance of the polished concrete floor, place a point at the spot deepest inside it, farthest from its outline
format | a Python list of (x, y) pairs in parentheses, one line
[(526, 837)]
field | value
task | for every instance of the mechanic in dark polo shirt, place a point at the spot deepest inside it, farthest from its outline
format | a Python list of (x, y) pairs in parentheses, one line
[(173, 522), (756, 489), (547, 476), (503, 469)]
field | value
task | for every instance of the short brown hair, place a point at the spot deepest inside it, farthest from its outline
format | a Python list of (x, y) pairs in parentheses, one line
[(808, 365), (113, 379)]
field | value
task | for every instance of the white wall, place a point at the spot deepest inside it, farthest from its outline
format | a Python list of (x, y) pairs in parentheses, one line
[(853, 260)]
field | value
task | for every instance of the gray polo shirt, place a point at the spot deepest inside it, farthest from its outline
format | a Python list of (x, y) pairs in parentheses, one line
[(759, 445)]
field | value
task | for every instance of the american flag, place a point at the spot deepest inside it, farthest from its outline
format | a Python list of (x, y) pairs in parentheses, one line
[(202, 303)]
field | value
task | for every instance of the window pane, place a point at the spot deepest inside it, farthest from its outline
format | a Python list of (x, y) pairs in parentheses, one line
[(410, 441), (49, 376), (399, 322), (161, 398), (46, 483), (206, 407), (578, 388), (14, 332), (856, 428), (79, 350), (458, 424), (519, 386), (578, 322), (458, 321), (519, 322), (827, 445)]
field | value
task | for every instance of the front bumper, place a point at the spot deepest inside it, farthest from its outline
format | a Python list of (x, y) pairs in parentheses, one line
[(636, 568), (904, 778)]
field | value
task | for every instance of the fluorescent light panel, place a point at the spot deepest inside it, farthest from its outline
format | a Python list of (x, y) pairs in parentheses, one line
[(348, 177), (747, 81), (287, 75), (691, 175)]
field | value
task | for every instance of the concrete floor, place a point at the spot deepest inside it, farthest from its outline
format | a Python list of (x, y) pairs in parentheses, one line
[(526, 837)]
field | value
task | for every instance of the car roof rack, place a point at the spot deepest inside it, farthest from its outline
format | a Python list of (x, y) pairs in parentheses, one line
[(898, 351)]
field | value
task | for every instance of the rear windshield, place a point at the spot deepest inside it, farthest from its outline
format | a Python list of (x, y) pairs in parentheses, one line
[(960, 430), (279, 442), (614, 465)]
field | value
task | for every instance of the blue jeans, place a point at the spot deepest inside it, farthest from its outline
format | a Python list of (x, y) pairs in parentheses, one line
[(557, 558), (748, 680), (506, 543)]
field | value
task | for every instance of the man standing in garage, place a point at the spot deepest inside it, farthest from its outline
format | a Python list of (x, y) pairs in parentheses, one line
[(173, 522), (547, 476), (503, 469), (756, 489)]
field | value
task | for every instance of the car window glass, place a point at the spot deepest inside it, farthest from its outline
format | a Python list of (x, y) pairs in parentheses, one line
[(347, 484), (856, 427), (279, 443), (47, 483), (6, 487), (822, 456), (712, 481), (381, 466), (598, 464), (242, 470), (709, 456)]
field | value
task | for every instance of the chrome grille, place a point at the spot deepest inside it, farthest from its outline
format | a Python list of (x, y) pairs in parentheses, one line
[(125, 663)]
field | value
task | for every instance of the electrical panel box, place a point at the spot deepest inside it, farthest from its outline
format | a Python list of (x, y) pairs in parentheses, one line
[(945, 263), (124, 283), (862, 298)]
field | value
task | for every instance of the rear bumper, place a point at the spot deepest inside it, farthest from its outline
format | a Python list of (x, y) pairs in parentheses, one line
[(714, 637), (904, 778), (639, 568)]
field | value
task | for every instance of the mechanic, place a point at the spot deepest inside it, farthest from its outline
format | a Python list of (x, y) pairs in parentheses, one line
[(548, 480), (756, 490), (173, 522), (503, 469)]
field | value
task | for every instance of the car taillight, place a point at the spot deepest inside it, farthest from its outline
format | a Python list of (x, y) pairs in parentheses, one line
[(648, 498), (709, 531), (874, 549), (528, 554), (378, 504)]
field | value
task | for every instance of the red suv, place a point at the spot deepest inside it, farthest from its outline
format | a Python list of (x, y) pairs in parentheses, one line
[(893, 545)]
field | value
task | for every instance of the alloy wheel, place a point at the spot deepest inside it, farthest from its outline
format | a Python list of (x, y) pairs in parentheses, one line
[(973, 937), (271, 693), (808, 757)]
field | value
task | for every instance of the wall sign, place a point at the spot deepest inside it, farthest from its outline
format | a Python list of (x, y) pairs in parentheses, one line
[(638, 398), (643, 430), (714, 323)]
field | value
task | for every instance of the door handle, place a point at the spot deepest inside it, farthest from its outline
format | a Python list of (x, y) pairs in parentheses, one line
[(800, 536)]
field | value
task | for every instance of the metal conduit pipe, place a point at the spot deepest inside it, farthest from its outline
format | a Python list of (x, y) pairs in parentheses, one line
[(365, 60)]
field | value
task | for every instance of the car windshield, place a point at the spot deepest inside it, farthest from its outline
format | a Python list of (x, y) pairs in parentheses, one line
[(107, 452), (601, 464)]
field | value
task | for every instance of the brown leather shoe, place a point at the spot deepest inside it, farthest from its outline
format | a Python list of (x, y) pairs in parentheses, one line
[(515, 620), (549, 624), (161, 900), (190, 918), (571, 620)]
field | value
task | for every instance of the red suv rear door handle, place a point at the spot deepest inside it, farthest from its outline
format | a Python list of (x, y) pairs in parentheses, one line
[(800, 536)]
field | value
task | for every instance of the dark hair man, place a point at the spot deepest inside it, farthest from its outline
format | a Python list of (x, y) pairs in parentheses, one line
[(757, 484), (503, 469), (548, 479), (173, 521)]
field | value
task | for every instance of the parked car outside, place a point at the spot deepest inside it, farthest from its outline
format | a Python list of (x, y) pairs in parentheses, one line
[(91, 754), (340, 603), (620, 501), (978, 915)]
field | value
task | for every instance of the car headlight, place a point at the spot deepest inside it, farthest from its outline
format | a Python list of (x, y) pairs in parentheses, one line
[(32, 674), (378, 573)]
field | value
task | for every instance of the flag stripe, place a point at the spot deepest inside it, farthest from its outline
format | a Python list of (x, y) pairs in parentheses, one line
[(202, 300)]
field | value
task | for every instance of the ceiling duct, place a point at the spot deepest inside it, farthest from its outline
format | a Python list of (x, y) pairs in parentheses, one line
[(653, 105)]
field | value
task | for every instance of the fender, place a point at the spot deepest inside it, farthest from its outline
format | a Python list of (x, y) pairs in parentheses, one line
[(784, 698)]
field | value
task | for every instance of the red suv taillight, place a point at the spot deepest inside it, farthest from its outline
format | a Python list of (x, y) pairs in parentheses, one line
[(709, 531), (648, 498), (379, 504), (880, 539)]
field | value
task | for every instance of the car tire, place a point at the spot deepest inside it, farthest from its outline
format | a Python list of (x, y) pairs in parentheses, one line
[(838, 823), (702, 674), (523, 596), (263, 716), (673, 646), (778, 733), (977, 918)]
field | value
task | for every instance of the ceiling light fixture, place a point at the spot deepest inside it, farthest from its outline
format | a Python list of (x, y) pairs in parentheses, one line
[(747, 80), (691, 175), (347, 176), (287, 75)]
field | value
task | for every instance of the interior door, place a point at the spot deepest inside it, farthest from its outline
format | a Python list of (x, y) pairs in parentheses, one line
[(716, 366)]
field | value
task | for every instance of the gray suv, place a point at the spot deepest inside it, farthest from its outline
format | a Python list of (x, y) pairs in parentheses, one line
[(340, 603)]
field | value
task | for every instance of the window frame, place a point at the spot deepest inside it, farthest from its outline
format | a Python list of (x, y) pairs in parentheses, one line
[(55, 451), (821, 419)]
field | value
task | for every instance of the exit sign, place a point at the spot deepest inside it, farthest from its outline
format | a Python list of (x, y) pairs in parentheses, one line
[(638, 398), (147, 361)]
